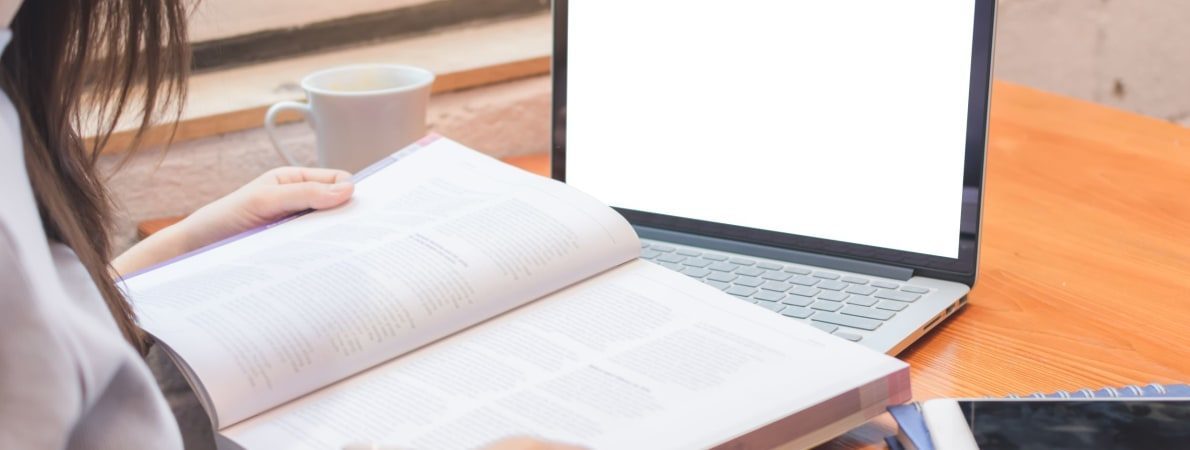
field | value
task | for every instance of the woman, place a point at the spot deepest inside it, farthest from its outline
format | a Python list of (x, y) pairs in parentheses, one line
[(71, 367)]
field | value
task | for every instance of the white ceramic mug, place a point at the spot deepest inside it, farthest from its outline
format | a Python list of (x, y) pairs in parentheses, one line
[(359, 113)]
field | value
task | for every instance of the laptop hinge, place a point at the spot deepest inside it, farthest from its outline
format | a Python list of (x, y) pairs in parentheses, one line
[(780, 254)]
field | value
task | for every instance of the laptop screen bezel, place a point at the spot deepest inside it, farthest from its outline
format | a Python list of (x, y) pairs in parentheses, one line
[(962, 269)]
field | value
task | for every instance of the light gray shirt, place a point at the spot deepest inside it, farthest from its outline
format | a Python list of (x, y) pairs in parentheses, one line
[(67, 377)]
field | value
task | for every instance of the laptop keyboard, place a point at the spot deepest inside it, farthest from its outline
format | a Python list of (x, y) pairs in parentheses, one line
[(847, 306)]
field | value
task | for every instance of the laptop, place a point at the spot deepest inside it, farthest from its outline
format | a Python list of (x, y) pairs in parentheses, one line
[(823, 160)]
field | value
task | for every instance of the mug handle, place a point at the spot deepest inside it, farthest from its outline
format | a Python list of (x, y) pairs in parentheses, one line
[(270, 125)]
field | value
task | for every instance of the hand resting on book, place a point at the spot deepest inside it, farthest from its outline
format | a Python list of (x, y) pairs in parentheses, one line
[(524, 443), (513, 443), (271, 196)]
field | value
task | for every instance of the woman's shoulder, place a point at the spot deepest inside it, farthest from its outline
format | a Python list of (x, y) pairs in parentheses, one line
[(39, 383), (60, 365), (60, 353)]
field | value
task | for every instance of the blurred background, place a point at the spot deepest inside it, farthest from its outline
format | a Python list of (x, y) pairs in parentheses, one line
[(493, 89), (1132, 54)]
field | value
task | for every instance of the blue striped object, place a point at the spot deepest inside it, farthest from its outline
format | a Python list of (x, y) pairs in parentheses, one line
[(914, 434)]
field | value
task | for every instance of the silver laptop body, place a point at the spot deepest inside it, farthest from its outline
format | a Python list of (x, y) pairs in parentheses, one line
[(647, 117)]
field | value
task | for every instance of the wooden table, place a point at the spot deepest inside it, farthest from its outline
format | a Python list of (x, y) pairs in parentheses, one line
[(1084, 275), (1085, 271)]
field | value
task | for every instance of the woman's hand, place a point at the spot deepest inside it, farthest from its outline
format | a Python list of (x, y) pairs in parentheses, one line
[(271, 196), (513, 443), (525, 443)]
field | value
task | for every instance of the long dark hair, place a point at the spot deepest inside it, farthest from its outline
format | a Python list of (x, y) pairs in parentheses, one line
[(77, 66)]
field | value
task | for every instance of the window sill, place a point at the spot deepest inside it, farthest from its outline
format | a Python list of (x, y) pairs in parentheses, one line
[(463, 57)]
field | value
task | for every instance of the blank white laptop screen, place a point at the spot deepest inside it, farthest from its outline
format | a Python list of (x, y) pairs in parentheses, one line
[(836, 119)]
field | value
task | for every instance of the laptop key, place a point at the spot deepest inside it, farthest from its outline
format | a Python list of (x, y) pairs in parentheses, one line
[(649, 253), (855, 280), (644, 244), (824, 327), (832, 285), (749, 271), (749, 281), (848, 336), (722, 276), (662, 247), (827, 275), (797, 270), (774, 307), (722, 286), (776, 276), (671, 258), (892, 306), (695, 272), (797, 300), (776, 286), (861, 290), (688, 252), (743, 261), (671, 266), (723, 267), (870, 313), (740, 291), (862, 300), (715, 257), (915, 289), (885, 285), (804, 280), (804, 291), (768, 266), (826, 306), (847, 321), (696, 262), (797, 312), (833, 296), (898, 296), (769, 296)]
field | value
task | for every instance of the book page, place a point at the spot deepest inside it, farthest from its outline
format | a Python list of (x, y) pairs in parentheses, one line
[(440, 240), (636, 357)]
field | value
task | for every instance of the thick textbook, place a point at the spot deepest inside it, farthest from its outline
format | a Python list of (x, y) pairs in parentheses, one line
[(456, 300)]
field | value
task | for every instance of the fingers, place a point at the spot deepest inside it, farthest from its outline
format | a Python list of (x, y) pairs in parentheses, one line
[(515, 443), (278, 200), (287, 175), (526, 443)]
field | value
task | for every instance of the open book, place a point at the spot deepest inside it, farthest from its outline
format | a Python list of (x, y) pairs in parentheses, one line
[(457, 300)]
